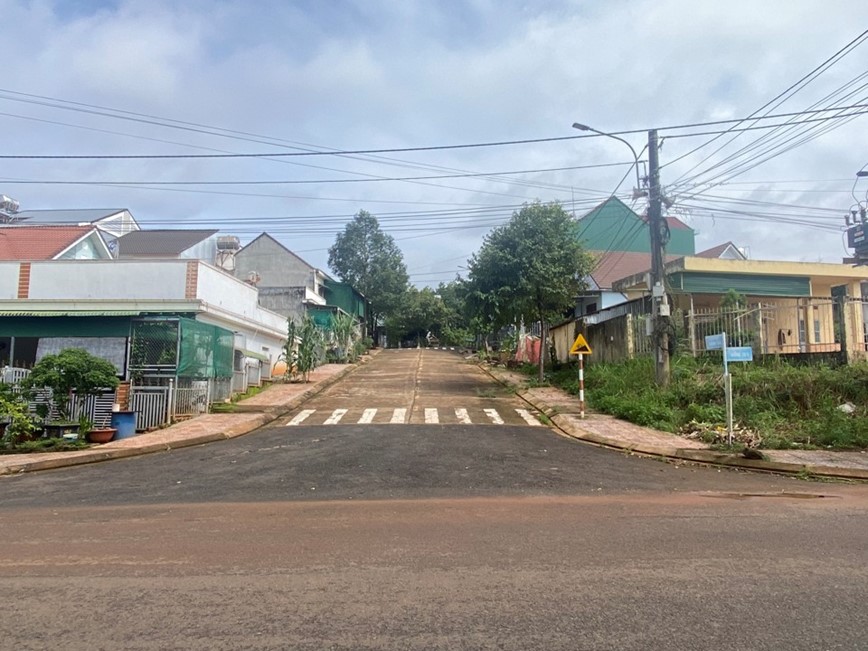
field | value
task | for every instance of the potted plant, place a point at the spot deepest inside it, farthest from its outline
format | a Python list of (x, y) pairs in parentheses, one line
[(92, 434), (70, 370)]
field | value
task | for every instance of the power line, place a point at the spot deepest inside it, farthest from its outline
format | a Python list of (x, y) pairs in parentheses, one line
[(328, 181), (792, 88), (477, 145)]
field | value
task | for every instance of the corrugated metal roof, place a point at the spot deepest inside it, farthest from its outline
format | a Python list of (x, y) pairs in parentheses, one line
[(161, 242), (73, 216)]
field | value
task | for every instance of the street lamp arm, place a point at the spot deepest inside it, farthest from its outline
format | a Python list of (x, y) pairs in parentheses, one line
[(585, 127)]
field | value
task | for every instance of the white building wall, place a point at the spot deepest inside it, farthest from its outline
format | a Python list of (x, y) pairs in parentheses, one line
[(114, 279), (218, 288), (206, 250), (9, 280)]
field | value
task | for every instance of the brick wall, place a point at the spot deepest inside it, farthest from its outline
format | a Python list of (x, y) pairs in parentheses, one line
[(24, 280)]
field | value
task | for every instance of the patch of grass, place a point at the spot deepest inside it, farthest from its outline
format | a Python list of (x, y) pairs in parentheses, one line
[(223, 408), (791, 407), (44, 445), (251, 391)]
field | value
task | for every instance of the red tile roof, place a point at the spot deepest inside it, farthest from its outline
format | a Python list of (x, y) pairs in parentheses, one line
[(38, 242)]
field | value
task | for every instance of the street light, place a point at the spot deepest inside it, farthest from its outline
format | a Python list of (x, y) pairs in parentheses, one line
[(585, 127)]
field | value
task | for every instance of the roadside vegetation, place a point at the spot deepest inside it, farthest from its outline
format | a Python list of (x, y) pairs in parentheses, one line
[(785, 406)]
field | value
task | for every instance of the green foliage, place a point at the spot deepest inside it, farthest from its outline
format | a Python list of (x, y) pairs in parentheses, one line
[(45, 445), (422, 311), (85, 425), (71, 369), (371, 262), (789, 406), (531, 267), (345, 330), (310, 348), (290, 348), (19, 424)]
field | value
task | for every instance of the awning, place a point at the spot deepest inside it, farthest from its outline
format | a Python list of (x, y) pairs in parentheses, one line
[(69, 313), (250, 353)]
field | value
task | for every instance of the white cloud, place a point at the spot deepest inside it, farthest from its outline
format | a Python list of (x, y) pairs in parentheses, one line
[(367, 74)]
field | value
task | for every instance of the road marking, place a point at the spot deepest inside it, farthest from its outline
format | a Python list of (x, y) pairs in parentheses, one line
[(368, 416), (431, 416), (463, 417), (335, 418), (398, 416), (528, 417), (300, 417), (494, 416)]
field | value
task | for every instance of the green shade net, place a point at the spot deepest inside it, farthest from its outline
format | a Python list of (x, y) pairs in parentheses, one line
[(154, 344), (206, 350)]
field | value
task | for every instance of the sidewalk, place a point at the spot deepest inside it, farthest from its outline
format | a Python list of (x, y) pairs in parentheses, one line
[(251, 414), (563, 410)]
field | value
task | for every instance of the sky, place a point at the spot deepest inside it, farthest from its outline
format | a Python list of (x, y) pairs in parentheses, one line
[(157, 78)]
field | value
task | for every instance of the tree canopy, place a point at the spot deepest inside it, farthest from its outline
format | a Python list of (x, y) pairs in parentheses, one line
[(369, 260), (530, 268)]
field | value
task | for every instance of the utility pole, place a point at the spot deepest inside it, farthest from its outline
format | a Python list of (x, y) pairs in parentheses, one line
[(659, 237)]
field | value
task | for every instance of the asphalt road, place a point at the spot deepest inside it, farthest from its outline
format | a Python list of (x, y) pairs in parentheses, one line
[(379, 535)]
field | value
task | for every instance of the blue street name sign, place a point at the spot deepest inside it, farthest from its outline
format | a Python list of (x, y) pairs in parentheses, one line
[(739, 354), (714, 342)]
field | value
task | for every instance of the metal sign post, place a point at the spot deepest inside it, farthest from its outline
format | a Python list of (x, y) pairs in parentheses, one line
[(581, 348), (582, 384), (727, 390), (733, 354)]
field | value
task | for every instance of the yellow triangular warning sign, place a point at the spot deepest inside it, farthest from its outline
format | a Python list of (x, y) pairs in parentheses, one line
[(580, 346)]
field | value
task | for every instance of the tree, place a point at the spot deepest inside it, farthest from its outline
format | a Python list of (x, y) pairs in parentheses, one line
[(72, 369), (531, 267), (370, 261), (422, 311)]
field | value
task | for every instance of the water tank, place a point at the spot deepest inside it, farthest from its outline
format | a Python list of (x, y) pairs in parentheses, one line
[(228, 243)]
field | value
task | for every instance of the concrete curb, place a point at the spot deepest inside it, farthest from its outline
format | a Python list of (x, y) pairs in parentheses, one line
[(268, 414), (566, 425), (279, 410)]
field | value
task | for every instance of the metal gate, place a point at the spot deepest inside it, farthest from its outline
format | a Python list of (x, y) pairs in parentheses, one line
[(192, 400), (152, 406)]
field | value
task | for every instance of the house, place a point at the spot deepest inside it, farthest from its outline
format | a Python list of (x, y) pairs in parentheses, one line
[(112, 223), (52, 243), (343, 297), (287, 284), (777, 307), (181, 244), (158, 321), (620, 242), (613, 226), (115, 221)]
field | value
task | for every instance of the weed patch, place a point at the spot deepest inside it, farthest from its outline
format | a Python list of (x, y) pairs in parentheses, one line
[(788, 406)]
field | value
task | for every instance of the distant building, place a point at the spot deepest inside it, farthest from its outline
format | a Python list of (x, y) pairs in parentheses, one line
[(287, 283), (167, 243)]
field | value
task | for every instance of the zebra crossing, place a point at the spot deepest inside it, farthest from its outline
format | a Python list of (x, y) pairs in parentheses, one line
[(399, 416)]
